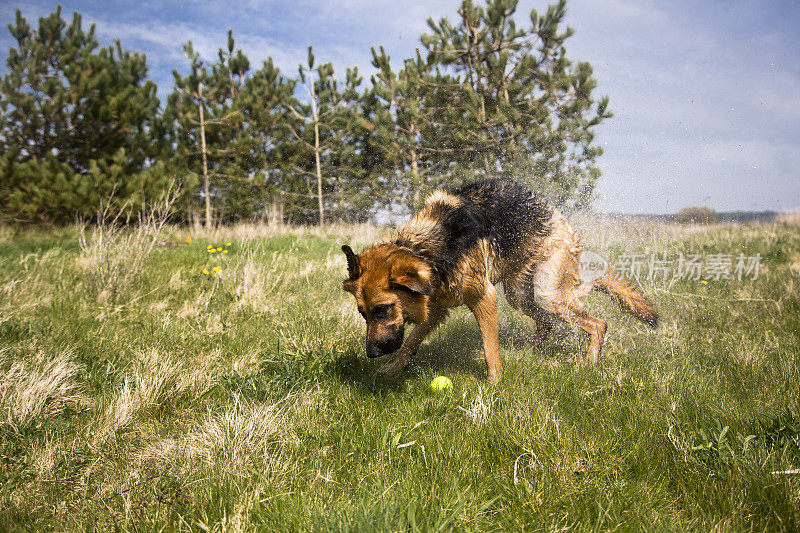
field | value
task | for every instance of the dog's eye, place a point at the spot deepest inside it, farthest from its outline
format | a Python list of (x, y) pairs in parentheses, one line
[(381, 312)]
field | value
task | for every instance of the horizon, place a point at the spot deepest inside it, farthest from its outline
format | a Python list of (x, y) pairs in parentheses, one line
[(704, 96)]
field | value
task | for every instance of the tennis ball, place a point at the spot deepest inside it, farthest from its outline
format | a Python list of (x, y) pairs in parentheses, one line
[(441, 383)]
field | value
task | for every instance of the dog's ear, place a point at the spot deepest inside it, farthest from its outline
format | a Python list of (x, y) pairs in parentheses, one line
[(412, 273), (353, 268)]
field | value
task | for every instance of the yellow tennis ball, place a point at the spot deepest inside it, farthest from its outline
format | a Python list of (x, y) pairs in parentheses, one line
[(441, 383)]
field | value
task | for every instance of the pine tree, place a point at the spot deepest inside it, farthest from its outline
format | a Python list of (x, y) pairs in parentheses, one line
[(206, 113), (185, 113), (354, 187), (519, 106), (264, 100), (371, 179), (415, 99), (76, 124), (324, 130), (238, 195), (489, 98)]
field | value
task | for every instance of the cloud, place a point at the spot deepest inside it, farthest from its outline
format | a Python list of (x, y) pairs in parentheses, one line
[(166, 38), (702, 112)]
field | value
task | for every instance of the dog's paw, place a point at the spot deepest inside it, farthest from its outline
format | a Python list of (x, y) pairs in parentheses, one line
[(495, 377), (390, 369)]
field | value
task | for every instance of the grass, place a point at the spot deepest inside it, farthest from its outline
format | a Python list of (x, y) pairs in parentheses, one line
[(172, 399)]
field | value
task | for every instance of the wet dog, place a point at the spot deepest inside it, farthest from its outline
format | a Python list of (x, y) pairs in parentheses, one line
[(454, 252)]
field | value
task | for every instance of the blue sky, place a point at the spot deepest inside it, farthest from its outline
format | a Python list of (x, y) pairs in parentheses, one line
[(706, 95)]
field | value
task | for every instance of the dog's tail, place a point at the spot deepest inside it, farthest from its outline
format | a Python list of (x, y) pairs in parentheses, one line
[(628, 298)]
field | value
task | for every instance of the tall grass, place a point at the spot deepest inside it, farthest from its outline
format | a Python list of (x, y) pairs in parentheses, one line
[(33, 389), (113, 254), (139, 393)]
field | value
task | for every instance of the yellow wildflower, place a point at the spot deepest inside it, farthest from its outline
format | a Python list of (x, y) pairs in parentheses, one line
[(704, 282), (217, 269), (205, 271), (219, 249), (211, 251), (227, 244), (209, 247), (224, 251), (188, 239)]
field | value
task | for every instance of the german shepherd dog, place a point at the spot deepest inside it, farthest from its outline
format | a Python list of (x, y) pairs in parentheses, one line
[(454, 252)]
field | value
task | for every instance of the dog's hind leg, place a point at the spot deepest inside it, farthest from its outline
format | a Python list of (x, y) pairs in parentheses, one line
[(593, 326), (558, 289), (522, 300), (410, 346), (544, 325)]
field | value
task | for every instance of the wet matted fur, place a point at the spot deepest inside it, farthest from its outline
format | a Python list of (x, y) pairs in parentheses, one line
[(454, 252)]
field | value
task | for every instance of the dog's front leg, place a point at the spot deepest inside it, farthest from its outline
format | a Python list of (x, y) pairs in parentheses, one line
[(485, 311), (435, 317)]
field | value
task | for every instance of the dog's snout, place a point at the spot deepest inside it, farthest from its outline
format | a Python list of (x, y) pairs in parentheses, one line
[(374, 350), (385, 344)]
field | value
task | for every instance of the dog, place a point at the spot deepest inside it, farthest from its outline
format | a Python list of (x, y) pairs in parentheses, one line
[(454, 252)]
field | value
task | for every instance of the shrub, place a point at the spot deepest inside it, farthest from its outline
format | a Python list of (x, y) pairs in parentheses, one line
[(696, 215)]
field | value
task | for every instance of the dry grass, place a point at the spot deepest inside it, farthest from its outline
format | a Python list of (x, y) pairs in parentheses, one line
[(479, 409), (156, 380), (6, 234), (36, 388), (25, 293), (229, 442), (599, 232), (113, 255), (359, 234), (789, 218), (256, 282)]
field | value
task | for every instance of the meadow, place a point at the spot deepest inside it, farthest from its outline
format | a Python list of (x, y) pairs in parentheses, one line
[(150, 383)]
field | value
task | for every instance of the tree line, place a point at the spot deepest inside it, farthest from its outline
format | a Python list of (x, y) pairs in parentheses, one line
[(81, 124)]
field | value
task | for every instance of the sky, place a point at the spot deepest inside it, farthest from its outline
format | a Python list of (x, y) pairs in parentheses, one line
[(705, 95)]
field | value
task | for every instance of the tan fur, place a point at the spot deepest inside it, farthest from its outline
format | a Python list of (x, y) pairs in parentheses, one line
[(444, 198), (628, 298)]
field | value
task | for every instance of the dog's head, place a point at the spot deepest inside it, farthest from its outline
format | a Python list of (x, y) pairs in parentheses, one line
[(391, 286)]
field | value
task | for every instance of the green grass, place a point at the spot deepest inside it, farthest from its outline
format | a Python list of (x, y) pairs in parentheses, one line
[(174, 400)]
